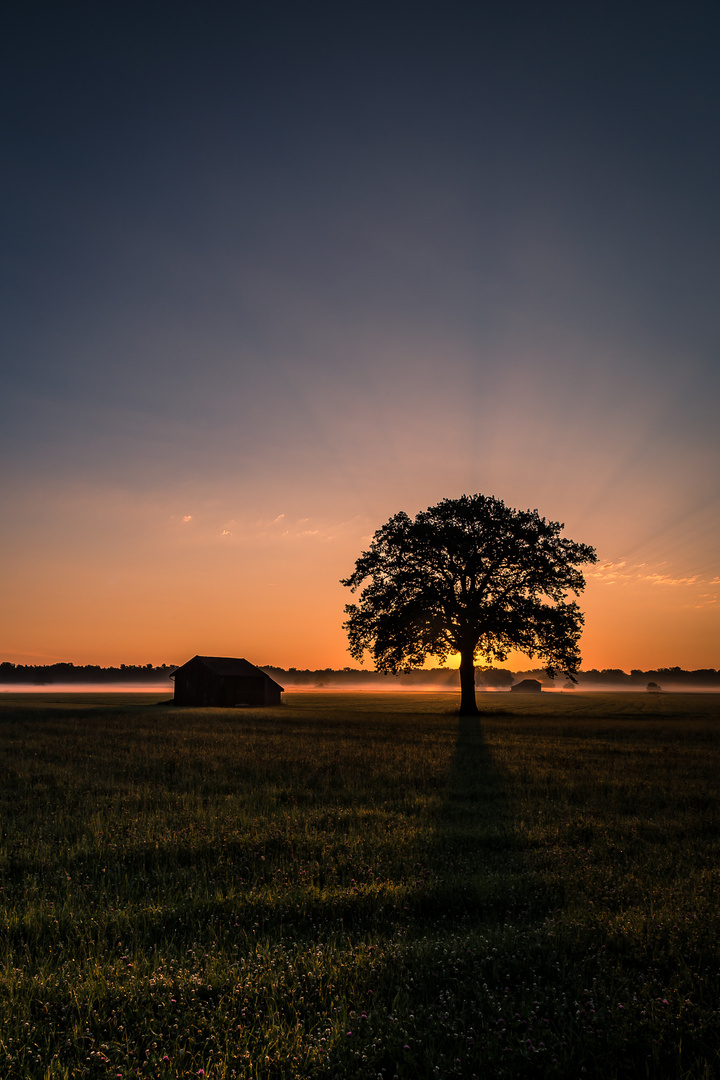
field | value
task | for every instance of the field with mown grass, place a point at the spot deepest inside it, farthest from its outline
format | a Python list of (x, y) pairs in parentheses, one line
[(358, 885)]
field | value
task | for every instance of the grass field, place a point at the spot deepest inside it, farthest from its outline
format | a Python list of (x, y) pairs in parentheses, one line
[(360, 885)]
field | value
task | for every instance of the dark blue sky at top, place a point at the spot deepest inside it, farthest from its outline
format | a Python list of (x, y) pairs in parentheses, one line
[(282, 239)]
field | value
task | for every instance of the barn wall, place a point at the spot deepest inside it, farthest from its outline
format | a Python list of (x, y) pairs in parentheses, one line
[(197, 685), (241, 690), (272, 692)]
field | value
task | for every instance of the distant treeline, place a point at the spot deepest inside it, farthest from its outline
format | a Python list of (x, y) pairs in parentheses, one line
[(667, 677), (442, 678), (494, 678), (46, 674)]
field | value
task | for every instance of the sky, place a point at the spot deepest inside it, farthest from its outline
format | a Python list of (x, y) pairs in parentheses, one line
[(272, 272)]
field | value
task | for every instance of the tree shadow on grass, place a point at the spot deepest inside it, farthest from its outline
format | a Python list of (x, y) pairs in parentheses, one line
[(474, 852), (457, 963)]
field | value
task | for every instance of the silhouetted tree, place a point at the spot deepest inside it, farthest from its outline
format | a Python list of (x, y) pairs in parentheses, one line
[(472, 576)]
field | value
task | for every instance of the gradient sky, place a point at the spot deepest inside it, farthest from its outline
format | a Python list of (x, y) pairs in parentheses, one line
[(272, 272)]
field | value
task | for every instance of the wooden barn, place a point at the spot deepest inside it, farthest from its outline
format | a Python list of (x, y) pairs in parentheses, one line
[(223, 681), (528, 686)]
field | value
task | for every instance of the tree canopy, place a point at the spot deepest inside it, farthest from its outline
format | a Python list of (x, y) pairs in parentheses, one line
[(469, 576)]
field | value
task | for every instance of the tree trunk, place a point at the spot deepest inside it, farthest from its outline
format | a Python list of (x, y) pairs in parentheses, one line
[(468, 705)]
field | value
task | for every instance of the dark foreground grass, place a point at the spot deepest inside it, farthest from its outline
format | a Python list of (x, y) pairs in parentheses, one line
[(357, 885)]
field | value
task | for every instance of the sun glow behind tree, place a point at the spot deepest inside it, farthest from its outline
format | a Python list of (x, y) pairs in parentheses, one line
[(468, 575)]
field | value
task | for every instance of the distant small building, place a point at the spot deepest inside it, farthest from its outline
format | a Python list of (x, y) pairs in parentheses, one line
[(528, 686), (223, 681)]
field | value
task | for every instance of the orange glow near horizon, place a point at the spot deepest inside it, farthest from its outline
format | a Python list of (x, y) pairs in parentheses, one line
[(268, 589)]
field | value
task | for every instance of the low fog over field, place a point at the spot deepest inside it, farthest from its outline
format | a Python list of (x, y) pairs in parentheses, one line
[(67, 677)]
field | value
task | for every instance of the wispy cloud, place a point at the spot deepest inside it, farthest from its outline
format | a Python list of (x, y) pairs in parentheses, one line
[(278, 530), (624, 573), (667, 579), (610, 573)]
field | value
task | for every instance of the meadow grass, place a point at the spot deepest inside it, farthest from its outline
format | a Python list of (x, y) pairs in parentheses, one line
[(360, 885)]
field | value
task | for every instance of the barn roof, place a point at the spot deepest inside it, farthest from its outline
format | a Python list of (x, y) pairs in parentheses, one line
[(527, 684), (227, 666)]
